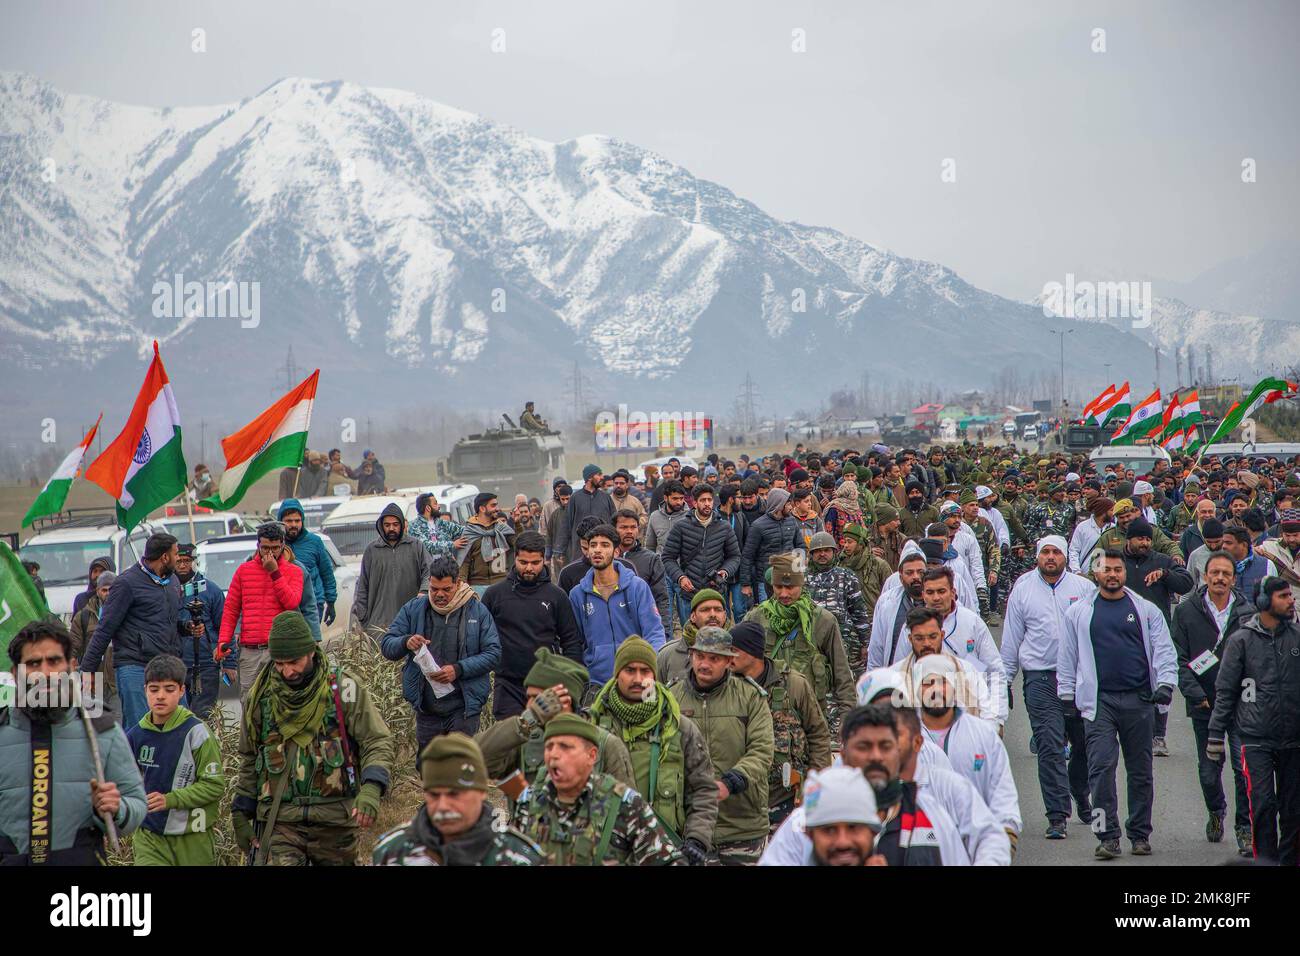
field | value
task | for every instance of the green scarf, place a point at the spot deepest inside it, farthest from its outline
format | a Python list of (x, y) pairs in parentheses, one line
[(689, 632), (298, 712), (782, 619), (639, 719)]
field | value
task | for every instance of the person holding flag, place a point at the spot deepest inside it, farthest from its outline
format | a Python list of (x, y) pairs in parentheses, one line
[(55, 493)]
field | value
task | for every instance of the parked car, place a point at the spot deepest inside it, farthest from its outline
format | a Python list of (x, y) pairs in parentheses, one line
[(65, 544)]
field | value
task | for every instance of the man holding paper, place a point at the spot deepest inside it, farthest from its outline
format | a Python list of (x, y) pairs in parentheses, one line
[(450, 644)]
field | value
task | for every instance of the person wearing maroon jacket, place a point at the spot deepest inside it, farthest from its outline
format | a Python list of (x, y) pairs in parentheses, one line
[(263, 586)]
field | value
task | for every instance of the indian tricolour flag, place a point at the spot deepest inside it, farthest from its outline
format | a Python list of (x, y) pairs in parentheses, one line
[(1090, 410), (144, 467), (1144, 421), (1115, 408), (277, 438), (55, 493), (1268, 390)]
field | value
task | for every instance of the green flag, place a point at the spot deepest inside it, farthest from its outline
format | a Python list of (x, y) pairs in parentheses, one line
[(20, 604)]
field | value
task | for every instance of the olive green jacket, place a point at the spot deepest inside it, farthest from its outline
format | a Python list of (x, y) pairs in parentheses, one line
[(826, 639), (737, 726), (503, 743)]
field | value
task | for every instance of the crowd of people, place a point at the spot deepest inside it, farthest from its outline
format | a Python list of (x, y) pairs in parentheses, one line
[(780, 661)]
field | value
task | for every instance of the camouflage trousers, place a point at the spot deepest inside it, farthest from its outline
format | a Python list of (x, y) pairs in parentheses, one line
[(313, 844), (1012, 568), (740, 853)]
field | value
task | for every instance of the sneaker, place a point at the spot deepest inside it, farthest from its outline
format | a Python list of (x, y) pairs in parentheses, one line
[(1141, 848), (1107, 850), (1055, 830), (1159, 748), (1244, 846), (1214, 828)]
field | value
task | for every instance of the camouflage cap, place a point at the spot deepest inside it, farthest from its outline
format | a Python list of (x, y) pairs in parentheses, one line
[(713, 640), (453, 761), (787, 569)]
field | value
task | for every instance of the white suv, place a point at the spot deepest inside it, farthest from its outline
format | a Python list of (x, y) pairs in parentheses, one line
[(65, 546)]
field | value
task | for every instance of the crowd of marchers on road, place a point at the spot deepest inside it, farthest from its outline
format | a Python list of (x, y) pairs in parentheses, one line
[(776, 661)]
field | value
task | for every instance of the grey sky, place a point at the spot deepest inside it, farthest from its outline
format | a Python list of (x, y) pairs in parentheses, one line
[(1126, 162)]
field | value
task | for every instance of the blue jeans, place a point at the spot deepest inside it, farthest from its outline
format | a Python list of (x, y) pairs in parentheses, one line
[(130, 691), (739, 604), (682, 602), (674, 606)]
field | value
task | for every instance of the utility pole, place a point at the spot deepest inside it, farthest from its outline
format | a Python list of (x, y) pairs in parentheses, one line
[(575, 391), (1062, 333), (1209, 365), (747, 404)]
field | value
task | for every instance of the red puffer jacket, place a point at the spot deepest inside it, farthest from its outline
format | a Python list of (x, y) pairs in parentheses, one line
[(255, 598)]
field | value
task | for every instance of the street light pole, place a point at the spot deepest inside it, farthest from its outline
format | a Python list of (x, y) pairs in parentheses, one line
[(1062, 333)]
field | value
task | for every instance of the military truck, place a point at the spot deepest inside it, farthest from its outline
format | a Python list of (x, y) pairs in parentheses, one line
[(507, 460)]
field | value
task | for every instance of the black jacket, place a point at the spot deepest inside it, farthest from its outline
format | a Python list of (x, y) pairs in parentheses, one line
[(140, 620), (1193, 632), (1264, 710), (581, 504), (767, 537), (739, 525), (529, 616), (649, 568), (700, 551), (1176, 580)]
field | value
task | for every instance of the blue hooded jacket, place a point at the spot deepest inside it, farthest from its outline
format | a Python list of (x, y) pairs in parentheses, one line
[(605, 624), (478, 655), (310, 551)]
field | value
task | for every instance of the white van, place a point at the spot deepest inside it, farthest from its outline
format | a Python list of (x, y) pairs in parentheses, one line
[(351, 525), (1140, 458)]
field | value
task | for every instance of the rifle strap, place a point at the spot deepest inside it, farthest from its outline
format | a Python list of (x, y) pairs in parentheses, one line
[(343, 731), (42, 802), (268, 831), (606, 835)]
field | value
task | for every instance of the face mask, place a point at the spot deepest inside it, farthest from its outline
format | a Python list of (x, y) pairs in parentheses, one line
[(889, 793)]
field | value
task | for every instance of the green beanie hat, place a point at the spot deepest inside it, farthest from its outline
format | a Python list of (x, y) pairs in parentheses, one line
[(864, 473), (634, 649), (859, 534), (453, 761), (886, 514), (572, 725), (705, 594), (290, 637), (967, 495), (552, 669)]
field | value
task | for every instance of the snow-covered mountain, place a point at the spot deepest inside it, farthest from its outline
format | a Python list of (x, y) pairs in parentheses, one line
[(422, 253)]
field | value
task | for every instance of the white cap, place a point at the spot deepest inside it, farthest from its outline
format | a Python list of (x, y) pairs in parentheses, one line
[(1055, 540), (880, 680), (839, 795), (1143, 488), (1072, 476), (982, 492)]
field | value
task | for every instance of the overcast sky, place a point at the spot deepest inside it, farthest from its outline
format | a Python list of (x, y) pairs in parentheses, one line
[(1126, 162)]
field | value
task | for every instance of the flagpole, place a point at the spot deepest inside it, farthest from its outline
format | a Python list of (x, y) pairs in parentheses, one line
[(189, 511)]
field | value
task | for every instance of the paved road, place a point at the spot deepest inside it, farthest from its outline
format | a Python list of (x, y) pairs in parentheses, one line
[(1178, 836)]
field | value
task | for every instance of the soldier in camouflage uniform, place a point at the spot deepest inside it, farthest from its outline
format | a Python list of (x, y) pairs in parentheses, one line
[(1182, 515), (1054, 516), (307, 780), (857, 555), (737, 726), (455, 827), (580, 817), (839, 591), (1020, 553), (802, 738), (514, 744), (805, 637)]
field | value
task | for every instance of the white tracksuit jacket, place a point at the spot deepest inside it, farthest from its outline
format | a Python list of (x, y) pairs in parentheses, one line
[(976, 752)]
